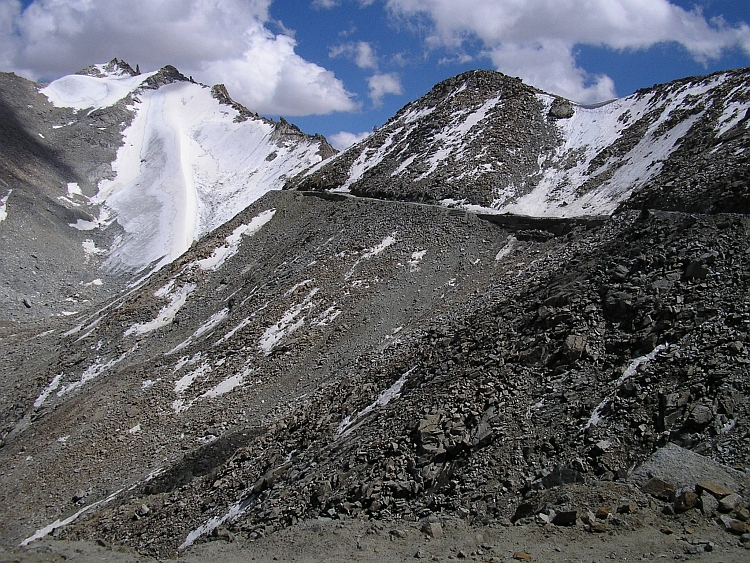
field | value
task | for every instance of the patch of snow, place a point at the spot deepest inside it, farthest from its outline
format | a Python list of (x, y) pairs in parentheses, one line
[(135, 429), (733, 113), (349, 424), (415, 115), (83, 92), (246, 321), (166, 314), (185, 360), (368, 158), (371, 252), (222, 253), (327, 316), (416, 258), (585, 135), (182, 384), (89, 247), (455, 136), (227, 385), (147, 383), (286, 325), (235, 511), (297, 286), (210, 324), (54, 384), (507, 249), (94, 371), (39, 534), (4, 206), (630, 371), (187, 167), (97, 282), (103, 220), (74, 189)]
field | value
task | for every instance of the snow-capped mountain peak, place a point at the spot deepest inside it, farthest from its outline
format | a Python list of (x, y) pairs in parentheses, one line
[(191, 158), (485, 140)]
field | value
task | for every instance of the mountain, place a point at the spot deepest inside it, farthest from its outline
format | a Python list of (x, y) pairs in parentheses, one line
[(390, 361), (483, 139), (109, 172)]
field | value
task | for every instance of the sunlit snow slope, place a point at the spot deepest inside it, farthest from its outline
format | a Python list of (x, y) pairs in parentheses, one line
[(191, 160), (486, 140)]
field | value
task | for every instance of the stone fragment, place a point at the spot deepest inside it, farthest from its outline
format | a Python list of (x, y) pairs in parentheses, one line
[(729, 502), (743, 514), (565, 518), (561, 109), (666, 530), (602, 513), (524, 510), (433, 529), (695, 270), (627, 508), (733, 526), (716, 489), (687, 500), (708, 504), (659, 488), (598, 527), (588, 517), (701, 415), (575, 346), (522, 556)]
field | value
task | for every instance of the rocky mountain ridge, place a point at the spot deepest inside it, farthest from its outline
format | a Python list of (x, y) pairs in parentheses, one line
[(483, 139)]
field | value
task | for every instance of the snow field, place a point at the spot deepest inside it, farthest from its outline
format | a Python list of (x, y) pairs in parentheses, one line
[(185, 167)]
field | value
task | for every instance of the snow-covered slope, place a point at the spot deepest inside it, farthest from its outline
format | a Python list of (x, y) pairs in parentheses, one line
[(484, 139), (191, 159)]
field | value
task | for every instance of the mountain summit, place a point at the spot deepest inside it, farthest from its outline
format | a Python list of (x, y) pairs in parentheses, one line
[(483, 139)]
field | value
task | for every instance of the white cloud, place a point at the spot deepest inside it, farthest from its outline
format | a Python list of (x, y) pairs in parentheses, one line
[(382, 84), (213, 41), (328, 4), (325, 4), (343, 139), (535, 39), (360, 52)]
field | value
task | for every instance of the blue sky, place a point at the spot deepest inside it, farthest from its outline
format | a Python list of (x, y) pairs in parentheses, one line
[(340, 67)]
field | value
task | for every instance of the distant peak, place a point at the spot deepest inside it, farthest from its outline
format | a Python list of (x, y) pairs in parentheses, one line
[(115, 67), (166, 75), (220, 92)]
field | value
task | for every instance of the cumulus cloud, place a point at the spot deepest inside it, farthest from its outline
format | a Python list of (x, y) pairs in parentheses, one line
[(223, 41), (344, 139), (382, 84), (360, 52), (535, 39)]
